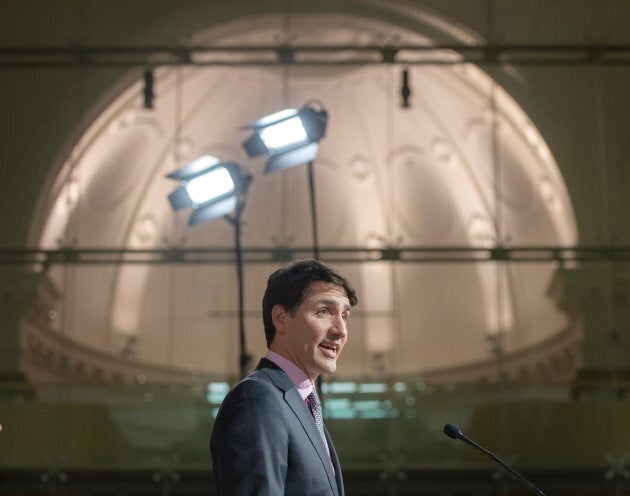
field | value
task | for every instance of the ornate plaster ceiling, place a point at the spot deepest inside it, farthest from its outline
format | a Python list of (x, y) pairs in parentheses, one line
[(463, 166)]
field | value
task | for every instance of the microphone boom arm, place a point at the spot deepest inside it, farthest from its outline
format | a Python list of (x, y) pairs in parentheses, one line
[(453, 431)]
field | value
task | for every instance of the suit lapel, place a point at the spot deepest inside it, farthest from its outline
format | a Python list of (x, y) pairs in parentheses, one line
[(335, 461), (304, 416)]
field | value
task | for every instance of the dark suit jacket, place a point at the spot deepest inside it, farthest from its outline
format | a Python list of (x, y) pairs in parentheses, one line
[(265, 441)]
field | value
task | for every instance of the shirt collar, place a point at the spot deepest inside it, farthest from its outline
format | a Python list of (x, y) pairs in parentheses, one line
[(298, 377)]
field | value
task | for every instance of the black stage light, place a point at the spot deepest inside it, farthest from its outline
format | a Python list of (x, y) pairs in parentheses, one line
[(290, 137), (209, 187)]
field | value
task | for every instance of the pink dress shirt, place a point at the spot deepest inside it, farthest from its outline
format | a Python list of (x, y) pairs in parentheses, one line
[(298, 377)]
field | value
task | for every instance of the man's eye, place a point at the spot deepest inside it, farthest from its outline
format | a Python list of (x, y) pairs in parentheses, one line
[(345, 316), (322, 311)]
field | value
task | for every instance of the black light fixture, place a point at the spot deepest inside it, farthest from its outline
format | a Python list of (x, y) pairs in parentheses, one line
[(209, 187), (290, 137)]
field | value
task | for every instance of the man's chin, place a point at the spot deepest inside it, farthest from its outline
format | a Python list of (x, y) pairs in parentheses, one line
[(328, 367)]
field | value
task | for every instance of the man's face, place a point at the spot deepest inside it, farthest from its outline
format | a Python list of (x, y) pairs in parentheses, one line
[(313, 337)]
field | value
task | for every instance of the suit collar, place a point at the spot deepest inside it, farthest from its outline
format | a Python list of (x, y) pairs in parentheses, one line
[(298, 377), (276, 374), (265, 363)]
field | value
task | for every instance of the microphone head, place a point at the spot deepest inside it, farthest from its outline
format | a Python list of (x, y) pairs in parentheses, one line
[(452, 430)]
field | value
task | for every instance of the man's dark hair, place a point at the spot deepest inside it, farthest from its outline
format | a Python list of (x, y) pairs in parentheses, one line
[(289, 286)]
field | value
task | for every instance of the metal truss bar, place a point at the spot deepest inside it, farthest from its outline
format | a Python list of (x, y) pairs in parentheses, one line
[(210, 256), (263, 55), (406, 478)]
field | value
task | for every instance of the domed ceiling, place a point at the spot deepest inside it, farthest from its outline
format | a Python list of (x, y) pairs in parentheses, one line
[(464, 166)]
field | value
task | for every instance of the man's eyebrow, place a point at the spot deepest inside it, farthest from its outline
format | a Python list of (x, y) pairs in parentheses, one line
[(325, 301)]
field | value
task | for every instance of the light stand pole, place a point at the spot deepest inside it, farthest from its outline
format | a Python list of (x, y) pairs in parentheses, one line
[(235, 220), (213, 189), (311, 189), (291, 137)]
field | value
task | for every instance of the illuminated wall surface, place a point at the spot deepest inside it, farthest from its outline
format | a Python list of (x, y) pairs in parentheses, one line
[(526, 347)]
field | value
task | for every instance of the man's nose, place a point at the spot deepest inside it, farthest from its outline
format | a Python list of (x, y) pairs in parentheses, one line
[(338, 328)]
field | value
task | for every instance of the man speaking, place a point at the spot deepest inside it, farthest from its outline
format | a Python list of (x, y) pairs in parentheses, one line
[(269, 437)]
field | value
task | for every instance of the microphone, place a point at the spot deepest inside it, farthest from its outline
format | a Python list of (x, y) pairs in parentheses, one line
[(453, 431)]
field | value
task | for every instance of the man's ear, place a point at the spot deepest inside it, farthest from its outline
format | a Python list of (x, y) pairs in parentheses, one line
[(279, 316)]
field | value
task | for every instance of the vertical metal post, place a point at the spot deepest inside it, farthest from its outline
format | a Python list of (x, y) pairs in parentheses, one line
[(243, 356), (311, 189)]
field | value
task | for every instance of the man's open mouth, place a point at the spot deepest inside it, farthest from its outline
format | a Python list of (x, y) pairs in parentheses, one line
[(330, 350)]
